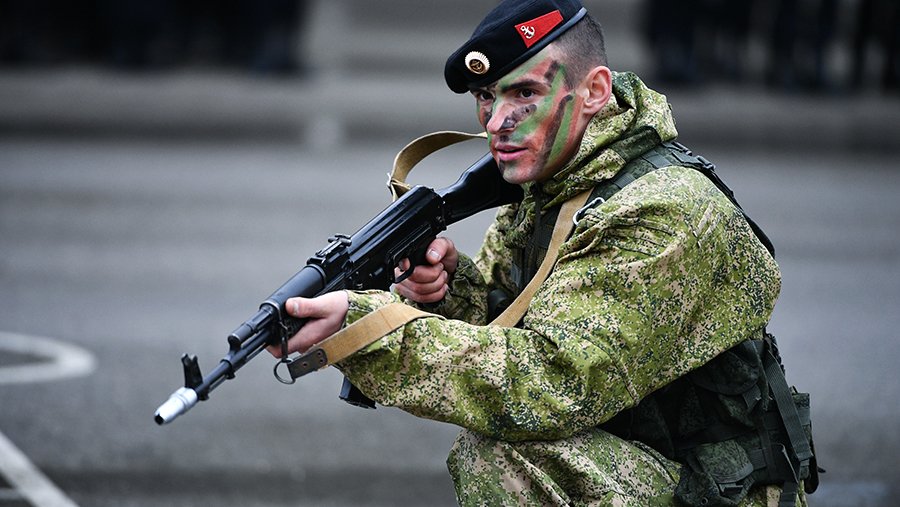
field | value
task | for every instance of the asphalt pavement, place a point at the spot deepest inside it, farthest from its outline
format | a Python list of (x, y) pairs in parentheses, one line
[(129, 253)]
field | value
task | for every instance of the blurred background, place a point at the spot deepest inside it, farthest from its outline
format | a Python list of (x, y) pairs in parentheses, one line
[(164, 166)]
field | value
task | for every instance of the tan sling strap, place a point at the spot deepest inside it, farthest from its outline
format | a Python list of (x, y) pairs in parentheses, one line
[(417, 150), (420, 148), (355, 337), (387, 319), (565, 222)]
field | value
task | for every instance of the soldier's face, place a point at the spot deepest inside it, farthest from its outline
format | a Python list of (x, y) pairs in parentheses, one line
[(531, 116)]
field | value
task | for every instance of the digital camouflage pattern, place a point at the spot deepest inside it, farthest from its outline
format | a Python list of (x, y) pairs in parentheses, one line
[(591, 468), (652, 284)]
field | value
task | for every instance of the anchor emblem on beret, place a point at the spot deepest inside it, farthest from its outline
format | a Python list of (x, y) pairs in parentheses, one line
[(538, 28), (527, 31), (477, 62)]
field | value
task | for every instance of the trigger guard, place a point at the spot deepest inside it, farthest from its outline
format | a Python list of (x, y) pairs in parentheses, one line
[(406, 274)]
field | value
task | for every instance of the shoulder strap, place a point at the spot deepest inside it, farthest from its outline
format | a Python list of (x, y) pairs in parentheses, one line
[(686, 157), (561, 230), (662, 155), (526, 264), (665, 155)]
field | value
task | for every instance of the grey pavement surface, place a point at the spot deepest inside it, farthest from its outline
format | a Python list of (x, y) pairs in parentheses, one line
[(146, 215), (140, 251)]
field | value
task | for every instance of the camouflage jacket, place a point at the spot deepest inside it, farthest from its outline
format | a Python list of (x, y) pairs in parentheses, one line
[(652, 283)]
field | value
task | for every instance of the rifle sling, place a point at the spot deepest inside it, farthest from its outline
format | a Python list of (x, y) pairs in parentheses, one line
[(418, 149), (564, 224), (387, 319), (379, 323), (354, 337)]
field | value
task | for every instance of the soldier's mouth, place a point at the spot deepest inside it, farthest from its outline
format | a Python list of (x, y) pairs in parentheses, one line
[(507, 153)]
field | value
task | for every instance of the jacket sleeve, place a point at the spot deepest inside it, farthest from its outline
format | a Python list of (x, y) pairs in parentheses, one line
[(655, 282)]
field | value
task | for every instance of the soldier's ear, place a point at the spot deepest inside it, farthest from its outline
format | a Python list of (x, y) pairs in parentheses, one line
[(597, 87)]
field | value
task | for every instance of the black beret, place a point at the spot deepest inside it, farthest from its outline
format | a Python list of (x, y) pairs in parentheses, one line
[(510, 34)]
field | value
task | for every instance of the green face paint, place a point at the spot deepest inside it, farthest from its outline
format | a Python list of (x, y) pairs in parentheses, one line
[(529, 116)]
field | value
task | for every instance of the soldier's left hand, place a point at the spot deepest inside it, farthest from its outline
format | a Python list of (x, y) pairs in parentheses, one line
[(326, 314)]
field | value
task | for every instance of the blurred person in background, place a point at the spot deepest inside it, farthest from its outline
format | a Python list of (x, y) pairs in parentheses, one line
[(134, 30), (47, 32), (802, 33), (723, 28), (272, 37), (877, 24), (704, 41), (669, 29), (259, 36)]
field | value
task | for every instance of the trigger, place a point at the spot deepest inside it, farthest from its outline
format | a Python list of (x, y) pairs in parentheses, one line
[(406, 274)]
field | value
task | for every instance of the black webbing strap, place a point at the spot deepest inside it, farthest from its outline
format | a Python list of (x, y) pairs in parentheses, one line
[(625, 176), (687, 157), (674, 153), (534, 252), (798, 461)]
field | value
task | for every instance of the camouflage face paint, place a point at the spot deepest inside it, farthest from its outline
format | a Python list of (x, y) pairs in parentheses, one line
[(517, 116), (529, 117)]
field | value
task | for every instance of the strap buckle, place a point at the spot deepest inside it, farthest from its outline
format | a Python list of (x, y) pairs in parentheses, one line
[(580, 213), (285, 333), (312, 360), (284, 380), (706, 163)]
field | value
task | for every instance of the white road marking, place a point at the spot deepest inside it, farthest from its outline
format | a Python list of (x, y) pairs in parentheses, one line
[(30, 483), (62, 360)]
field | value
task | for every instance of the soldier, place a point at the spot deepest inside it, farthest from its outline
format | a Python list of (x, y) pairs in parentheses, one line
[(638, 375)]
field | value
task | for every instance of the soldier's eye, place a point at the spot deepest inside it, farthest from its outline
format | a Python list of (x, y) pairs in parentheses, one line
[(526, 93), (483, 95)]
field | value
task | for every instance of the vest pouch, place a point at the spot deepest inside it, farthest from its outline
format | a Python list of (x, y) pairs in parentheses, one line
[(737, 381), (715, 475), (811, 478)]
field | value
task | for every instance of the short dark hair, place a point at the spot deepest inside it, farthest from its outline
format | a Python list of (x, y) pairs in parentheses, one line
[(583, 46)]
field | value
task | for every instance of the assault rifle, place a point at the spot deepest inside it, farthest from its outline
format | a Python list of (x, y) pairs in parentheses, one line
[(365, 260)]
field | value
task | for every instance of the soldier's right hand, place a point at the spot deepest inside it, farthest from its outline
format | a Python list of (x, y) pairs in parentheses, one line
[(429, 283)]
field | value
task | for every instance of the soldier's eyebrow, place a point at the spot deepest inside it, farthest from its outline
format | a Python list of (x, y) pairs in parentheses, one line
[(525, 83), (549, 77), (488, 89)]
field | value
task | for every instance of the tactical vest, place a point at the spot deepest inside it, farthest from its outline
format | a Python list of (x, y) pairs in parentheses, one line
[(732, 423)]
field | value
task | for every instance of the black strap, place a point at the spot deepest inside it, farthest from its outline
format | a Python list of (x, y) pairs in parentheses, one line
[(622, 179), (662, 155), (674, 153), (686, 157), (525, 265)]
